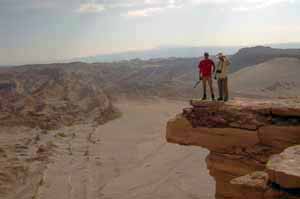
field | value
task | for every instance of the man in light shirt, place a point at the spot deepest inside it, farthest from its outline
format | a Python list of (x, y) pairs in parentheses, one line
[(222, 77)]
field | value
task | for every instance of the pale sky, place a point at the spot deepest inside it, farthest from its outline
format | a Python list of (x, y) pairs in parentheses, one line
[(40, 31)]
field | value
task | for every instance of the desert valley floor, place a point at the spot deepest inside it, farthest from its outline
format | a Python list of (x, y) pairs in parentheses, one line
[(127, 158)]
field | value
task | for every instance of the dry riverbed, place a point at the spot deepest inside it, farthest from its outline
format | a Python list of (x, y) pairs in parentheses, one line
[(126, 158)]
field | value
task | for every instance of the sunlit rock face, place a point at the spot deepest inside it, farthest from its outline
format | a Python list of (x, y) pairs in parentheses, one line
[(241, 136), (284, 168)]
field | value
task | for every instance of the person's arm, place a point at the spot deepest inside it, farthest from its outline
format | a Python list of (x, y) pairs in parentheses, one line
[(227, 61), (214, 66), (217, 69), (225, 68)]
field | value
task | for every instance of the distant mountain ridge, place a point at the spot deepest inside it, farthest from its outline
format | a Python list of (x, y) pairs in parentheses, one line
[(174, 51), (259, 54), (160, 52)]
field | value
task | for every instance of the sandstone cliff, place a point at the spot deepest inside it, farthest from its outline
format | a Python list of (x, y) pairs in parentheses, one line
[(243, 137)]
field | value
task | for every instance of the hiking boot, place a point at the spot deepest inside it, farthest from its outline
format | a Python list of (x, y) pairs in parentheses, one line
[(220, 99), (204, 97)]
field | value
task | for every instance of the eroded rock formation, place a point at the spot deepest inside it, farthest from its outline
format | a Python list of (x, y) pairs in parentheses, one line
[(50, 98), (242, 136)]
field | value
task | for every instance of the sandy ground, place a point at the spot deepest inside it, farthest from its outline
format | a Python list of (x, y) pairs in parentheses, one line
[(126, 158), (275, 78), (145, 165)]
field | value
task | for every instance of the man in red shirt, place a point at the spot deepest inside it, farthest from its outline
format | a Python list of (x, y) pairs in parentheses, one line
[(206, 69)]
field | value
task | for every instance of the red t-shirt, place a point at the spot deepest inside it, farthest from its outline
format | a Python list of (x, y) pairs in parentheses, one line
[(206, 67)]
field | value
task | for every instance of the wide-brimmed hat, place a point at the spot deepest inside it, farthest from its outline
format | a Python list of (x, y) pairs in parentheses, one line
[(221, 55)]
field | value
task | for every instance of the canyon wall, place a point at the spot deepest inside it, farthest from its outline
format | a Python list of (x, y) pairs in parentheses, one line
[(245, 139), (50, 98)]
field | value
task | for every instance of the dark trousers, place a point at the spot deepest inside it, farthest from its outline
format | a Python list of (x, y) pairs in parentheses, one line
[(223, 88)]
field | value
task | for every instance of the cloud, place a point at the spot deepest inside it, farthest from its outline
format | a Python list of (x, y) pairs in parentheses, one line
[(154, 7), (259, 4), (91, 8), (242, 5), (174, 4), (145, 12), (146, 8), (158, 6)]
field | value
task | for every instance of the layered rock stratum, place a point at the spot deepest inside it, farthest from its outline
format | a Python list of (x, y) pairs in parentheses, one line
[(245, 139)]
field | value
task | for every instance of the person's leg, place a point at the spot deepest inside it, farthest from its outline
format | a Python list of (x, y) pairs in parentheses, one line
[(226, 93), (210, 83), (204, 80), (220, 89)]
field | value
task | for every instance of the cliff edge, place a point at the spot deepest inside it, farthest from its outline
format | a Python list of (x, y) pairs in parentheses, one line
[(253, 145)]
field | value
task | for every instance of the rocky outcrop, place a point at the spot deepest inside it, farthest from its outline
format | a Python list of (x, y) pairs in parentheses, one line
[(284, 169), (253, 185), (50, 98), (242, 136)]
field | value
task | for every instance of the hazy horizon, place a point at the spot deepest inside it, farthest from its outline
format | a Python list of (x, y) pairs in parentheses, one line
[(47, 31), (160, 52)]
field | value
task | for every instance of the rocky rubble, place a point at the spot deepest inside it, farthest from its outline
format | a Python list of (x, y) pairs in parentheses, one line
[(243, 136), (21, 161)]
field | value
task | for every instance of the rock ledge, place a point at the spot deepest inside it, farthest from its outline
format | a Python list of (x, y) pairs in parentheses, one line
[(244, 138)]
